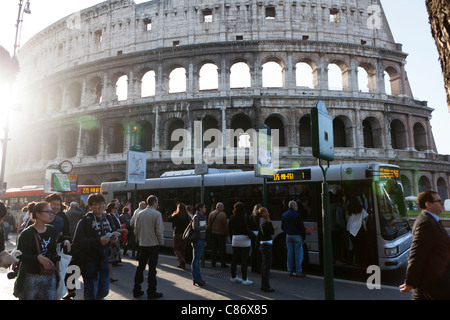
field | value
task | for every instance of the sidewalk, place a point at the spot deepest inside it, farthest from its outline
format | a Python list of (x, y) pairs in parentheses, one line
[(176, 284)]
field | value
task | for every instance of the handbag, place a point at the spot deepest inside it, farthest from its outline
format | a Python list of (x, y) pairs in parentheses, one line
[(44, 270), (190, 235)]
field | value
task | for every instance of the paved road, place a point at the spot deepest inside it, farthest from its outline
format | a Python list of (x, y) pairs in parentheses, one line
[(176, 284)]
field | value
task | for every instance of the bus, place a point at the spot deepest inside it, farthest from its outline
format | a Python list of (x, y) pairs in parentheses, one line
[(17, 198), (377, 186)]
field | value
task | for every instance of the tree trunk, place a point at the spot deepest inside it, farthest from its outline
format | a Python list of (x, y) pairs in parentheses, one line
[(439, 15)]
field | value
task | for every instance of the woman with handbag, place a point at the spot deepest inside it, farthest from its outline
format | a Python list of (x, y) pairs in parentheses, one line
[(199, 224), (37, 276)]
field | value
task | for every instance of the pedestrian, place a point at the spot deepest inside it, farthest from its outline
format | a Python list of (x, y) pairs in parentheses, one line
[(266, 230), (253, 225), (189, 247), (199, 224), (91, 248), (74, 215), (132, 235), (115, 256), (180, 220), (9, 223), (357, 228), (428, 271), (38, 246), (292, 225), (63, 228), (125, 219), (2, 232), (218, 228), (149, 234), (240, 241)]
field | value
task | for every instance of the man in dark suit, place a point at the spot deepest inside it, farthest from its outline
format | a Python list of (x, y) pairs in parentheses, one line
[(428, 271)]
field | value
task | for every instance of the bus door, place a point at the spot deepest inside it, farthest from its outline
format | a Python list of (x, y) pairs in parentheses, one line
[(344, 247)]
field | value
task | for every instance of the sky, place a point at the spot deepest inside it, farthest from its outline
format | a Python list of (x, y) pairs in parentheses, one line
[(408, 20)]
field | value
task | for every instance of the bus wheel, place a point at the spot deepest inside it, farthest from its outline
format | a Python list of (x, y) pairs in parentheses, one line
[(279, 256)]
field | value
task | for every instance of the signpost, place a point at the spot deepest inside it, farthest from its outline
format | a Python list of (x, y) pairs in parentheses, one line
[(136, 168), (323, 148), (264, 163)]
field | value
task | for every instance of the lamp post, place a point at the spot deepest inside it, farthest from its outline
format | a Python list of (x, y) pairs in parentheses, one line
[(16, 46)]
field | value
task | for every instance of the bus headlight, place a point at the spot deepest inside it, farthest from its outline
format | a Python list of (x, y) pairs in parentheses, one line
[(391, 251)]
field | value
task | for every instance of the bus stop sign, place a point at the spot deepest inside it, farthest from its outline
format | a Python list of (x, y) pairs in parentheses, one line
[(322, 132)]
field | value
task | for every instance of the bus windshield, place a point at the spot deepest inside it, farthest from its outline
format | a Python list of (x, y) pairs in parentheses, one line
[(392, 209)]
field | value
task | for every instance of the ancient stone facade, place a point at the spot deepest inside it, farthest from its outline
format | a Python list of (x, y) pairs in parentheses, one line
[(119, 74)]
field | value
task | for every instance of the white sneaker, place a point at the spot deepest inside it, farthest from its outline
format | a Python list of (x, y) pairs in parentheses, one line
[(247, 282), (236, 279)]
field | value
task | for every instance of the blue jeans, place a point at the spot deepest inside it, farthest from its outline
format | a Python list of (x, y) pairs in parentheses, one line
[(198, 251), (96, 282), (294, 245)]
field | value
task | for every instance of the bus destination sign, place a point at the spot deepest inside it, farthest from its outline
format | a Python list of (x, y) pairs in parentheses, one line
[(89, 190), (292, 175), (386, 173)]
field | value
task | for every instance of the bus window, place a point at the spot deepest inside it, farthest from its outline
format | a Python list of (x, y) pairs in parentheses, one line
[(392, 209), (279, 196)]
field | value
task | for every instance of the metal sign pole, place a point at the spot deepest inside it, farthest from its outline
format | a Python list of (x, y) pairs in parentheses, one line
[(323, 148)]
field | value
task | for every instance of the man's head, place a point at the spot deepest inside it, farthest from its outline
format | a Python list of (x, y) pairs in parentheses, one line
[(431, 201), (54, 200), (152, 201), (220, 206), (293, 205)]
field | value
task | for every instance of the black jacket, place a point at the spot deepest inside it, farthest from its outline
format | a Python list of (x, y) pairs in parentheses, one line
[(429, 261)]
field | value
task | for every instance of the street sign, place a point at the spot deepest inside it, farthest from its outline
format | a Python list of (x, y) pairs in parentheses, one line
[(264, 163), (136, 165), (322, 132)]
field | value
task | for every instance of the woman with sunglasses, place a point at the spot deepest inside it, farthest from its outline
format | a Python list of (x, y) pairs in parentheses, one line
[(38, 246)]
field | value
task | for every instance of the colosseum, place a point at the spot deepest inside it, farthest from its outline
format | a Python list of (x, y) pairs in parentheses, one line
[(120, 73)]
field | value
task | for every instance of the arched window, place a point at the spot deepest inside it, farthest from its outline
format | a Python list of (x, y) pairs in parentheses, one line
[(241, 124), (339, 135), (148, 84), (51, 147), (142, 134), (92, 142), (172, 126), (420, 137), (272, 75), (177, 80), (392, 81), (442, 188), (398, 135), (424, 183), (114, 138), (74, 95), (363, 80), (335, 81), (208, 77), (276, 123), (122, 88), (70, 143), (240, 76), (305, 131), (372, 133), (56, 100), (304, 75)]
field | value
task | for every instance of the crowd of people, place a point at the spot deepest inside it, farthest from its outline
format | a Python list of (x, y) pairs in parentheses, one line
[(96, 240), (93, 241)]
